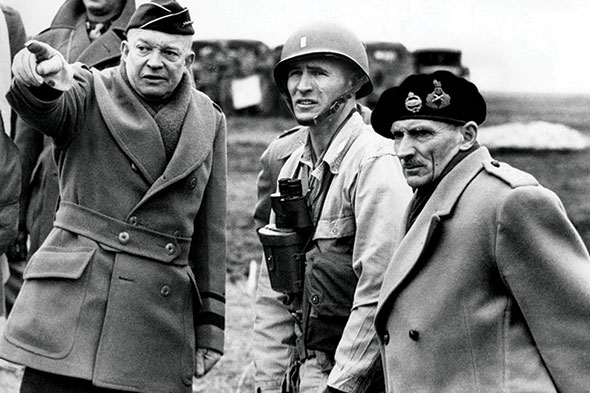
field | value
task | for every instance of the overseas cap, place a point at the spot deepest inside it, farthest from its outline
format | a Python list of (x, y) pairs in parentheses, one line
[(166, 16), (439, 96)]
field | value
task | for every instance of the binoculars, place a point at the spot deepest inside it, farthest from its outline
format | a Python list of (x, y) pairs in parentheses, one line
[(285, 241)]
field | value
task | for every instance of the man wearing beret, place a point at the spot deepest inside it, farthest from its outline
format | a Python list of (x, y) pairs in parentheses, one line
[(489, 290), (127, 292)]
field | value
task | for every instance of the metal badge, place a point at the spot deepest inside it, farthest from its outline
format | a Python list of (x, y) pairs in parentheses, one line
[(438, 99), (303, 42), (413, 102)]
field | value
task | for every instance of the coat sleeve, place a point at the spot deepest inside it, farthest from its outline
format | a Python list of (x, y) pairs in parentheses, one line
[(266, 184), (380, 200), (546, 266), (273, 331), (209, 249)]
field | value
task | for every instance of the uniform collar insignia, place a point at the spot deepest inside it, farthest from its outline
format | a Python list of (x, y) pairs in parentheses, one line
[(413, 102), (438, 99)]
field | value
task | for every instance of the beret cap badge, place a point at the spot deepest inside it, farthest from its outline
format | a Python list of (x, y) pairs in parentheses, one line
[(438, 99), (413, 102)]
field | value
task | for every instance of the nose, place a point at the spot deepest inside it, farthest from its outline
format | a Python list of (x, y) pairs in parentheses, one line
[(155, 59), (304, 83), (404, 148)]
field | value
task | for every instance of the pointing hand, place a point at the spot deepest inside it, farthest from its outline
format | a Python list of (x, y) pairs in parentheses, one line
[(39, 63)]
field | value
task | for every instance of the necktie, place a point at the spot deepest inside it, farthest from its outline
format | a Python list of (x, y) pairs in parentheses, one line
[(95, 30)]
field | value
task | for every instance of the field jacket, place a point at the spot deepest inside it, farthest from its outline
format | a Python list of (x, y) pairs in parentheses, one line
[(360, 217), (132, 278)]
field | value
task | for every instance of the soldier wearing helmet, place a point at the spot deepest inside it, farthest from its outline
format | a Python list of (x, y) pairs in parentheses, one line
[(354, 195)]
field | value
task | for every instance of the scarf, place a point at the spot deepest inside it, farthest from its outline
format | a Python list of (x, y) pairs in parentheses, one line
[(169, 113)]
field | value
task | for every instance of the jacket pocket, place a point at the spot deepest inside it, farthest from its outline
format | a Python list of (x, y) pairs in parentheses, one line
[(329, 288), (47, 310)]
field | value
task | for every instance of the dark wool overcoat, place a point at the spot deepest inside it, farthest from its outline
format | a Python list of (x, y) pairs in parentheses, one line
[(132, 278), (489, 291), (69, 36)]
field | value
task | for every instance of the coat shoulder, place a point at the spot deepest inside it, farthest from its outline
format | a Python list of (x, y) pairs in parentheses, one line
[(513, 177)]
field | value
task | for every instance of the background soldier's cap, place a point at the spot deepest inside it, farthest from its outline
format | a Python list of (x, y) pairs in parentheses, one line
[(166, 16), (440, 96)]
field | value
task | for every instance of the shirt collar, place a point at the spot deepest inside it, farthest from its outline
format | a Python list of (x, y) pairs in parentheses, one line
[(337, 149)]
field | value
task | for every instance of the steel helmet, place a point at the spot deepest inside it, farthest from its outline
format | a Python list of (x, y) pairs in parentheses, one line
[(323, 39)]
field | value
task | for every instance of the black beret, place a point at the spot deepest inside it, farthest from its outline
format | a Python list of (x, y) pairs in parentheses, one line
[(440, 96), (166, 16)]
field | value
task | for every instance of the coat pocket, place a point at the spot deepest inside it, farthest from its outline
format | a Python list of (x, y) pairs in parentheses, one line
[(330, 283), (47, 310)]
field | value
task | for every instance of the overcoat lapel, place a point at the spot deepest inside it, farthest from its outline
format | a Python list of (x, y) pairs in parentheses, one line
[(130, 124), (431, 220), (102, 50), (194, 145)]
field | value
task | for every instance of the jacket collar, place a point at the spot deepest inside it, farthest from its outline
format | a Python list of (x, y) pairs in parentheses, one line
[(429, 221), (69, 14), (338, 147), (136, 132)]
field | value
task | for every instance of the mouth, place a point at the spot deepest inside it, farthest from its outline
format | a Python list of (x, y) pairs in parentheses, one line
[(153, 78), (305, 103)]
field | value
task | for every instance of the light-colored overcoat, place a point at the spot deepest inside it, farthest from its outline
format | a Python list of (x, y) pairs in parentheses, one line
[(489, 291), (132, 278)]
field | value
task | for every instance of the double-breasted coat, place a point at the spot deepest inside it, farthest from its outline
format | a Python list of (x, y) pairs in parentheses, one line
[(489, 291), (68, 34), (132, 278)]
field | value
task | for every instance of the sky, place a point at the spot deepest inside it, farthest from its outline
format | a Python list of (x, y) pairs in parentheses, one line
[(537, 46)]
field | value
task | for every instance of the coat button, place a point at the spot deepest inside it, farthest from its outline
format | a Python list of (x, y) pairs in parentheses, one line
[(315, 299), (193, 183), (385, 338), (134, 167), (414, 334), (495, 163), (165, 290), (133, 220), (123, 237), (170, 248)]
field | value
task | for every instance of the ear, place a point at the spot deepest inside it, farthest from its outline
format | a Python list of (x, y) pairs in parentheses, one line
[(124, 49), (469, 135), (190, 58)]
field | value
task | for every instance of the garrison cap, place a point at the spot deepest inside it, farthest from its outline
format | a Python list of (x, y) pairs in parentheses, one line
[(166, 16), (440, 96)]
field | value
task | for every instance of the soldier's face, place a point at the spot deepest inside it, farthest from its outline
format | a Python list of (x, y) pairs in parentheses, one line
[(313, 85), (102, 7), (155, 61), (425, 148)]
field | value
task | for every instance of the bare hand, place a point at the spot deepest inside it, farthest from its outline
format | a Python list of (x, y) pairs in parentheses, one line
[(206, 359), (39, 63)]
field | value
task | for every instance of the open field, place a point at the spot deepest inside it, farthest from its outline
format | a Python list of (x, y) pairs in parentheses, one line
[(566, 173)]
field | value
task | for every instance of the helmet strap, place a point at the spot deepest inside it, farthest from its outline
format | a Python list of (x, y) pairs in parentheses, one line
[(337, 103)]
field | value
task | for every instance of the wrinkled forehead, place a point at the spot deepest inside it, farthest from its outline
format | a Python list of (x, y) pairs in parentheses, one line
[(160, 39), (408, 124)]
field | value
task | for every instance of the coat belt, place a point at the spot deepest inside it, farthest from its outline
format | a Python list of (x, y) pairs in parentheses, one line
[(122, 236)]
